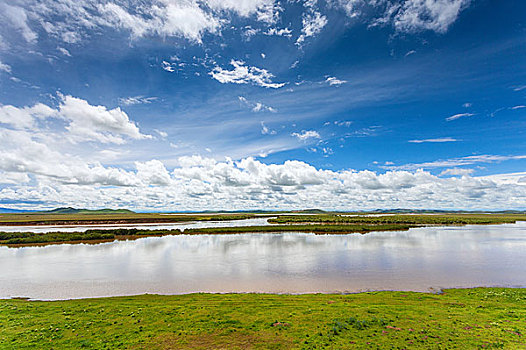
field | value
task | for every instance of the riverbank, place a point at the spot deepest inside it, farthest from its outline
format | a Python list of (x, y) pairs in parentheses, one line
[(317, 224), (15, 239), (38, 219), (458, 318)]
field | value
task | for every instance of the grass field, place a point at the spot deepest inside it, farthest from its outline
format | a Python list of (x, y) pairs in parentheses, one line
[(25, 238), (416, 219), (458, 319), (111, 218)]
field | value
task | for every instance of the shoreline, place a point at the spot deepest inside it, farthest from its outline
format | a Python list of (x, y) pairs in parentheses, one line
[(429, 291), (122, 234)]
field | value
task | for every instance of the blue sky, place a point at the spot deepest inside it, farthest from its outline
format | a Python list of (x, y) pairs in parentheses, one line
[(195, 105)]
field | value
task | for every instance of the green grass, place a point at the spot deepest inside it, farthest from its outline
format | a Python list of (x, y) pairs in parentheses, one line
[(14, 238), (111, 218), (459, 319), (449, 219), (319, 224)]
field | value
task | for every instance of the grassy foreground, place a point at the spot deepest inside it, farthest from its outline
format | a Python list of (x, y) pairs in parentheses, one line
[(460, 319)]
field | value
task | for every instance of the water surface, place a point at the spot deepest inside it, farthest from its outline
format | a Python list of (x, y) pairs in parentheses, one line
[(152, 226), (418, 259)]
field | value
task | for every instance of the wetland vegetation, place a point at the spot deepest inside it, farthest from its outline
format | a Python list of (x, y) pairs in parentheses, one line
[(318, 224), (457, 318)]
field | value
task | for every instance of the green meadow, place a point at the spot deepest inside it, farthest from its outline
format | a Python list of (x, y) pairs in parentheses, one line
[(492, 318)]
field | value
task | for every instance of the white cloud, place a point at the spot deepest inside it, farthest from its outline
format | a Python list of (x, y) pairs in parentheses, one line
[(161, 133), (25, 155), (457, 172), (64, 51), (203, 183), (97, 123), (135, 100), (455, 162), (242, 74), (70, 37), (84, 122), (16, 17), (333, 81), (5, 67), (286, 32), (71, 20), (345, 123), (257, 106), (153, 172), (518, 107), (407, 15), (460, 115), (265, 10), (306, 134), (163, 18), (260, 107), (266, 131), (313, 23), (25, 117), (436, 15), (438, 140), (167, 66)]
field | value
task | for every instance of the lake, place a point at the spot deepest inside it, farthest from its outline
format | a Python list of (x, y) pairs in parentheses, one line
[(420, 259)]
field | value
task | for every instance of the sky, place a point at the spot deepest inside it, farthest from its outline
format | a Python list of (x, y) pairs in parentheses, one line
[(190, 105)]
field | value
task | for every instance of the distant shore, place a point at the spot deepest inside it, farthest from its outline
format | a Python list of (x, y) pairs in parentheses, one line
[(317, 224)]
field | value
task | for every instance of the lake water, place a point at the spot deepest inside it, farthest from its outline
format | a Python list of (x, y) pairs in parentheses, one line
[(154, 226), (418, 259)]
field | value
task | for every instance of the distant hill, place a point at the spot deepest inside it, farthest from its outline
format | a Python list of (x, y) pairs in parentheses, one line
[(70, 210), (310, 211)]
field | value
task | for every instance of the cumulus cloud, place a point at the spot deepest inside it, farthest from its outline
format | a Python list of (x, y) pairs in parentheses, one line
[(97, 123), (25, 117), (460, 115), (438, 140), (199, 183), (23, 154), (306, 134), (84, 122), (243, 74)]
